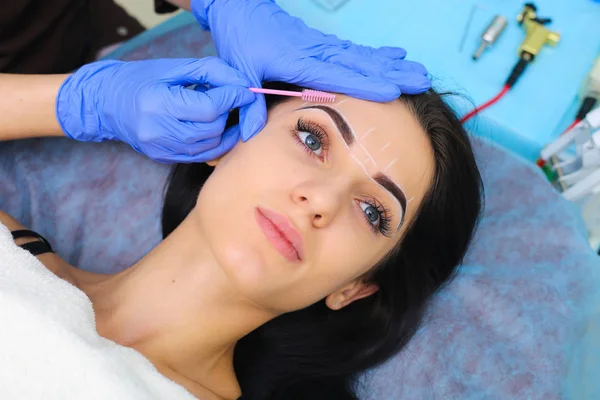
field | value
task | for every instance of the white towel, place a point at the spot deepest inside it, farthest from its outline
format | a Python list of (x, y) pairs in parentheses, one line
[(49, 347)]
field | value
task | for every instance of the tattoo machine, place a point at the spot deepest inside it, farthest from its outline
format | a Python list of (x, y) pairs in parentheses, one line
[(536, 37)]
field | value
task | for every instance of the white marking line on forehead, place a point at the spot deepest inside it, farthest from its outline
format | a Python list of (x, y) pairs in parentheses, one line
[(356, 138), (390, 164), (366, 152), (367, 133), (341, 102), (356, 142), (411, 199), (385, 146)]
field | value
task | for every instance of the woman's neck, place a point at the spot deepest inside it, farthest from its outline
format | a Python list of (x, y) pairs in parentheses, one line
[(177, 308)]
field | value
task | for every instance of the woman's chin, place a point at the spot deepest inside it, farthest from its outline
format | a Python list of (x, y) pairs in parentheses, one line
[(246, 269), (261, 278)]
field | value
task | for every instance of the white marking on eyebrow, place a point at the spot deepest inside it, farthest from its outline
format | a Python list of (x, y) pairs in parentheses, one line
[(377, 183), (341, 102), (303, 104), (390, 164), (367, 133), (385, 146)]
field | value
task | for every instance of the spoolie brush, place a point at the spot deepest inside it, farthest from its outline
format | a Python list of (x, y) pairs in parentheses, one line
[(314, 96)]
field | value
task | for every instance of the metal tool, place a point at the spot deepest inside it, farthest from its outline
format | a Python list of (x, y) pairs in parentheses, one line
[(491, 34), (474, 9)]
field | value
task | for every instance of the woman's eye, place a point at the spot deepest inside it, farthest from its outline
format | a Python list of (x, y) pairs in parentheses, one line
[(371, 213), (312, 142)]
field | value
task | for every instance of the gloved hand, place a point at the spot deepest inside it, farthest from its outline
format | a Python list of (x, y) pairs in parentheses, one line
[(265, 43), (145, 104)]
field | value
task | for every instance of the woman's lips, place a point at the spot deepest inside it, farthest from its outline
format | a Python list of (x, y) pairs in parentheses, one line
[(280, 232)]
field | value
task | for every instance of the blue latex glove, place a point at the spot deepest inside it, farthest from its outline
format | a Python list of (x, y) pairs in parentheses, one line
[(146, 104), (266, 44)]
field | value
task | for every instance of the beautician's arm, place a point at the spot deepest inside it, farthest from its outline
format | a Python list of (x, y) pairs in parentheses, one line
[(143, 103), (266, 44), (27, 106)]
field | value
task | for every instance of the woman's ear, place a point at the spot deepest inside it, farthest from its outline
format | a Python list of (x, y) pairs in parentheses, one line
[(356, 290), (213, 163)]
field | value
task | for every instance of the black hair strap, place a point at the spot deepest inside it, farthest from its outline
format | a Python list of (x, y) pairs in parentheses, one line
[(35, 248)]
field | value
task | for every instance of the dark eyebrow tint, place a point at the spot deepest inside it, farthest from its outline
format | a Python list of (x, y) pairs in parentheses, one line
[(338, 120), (348, 137), (394, 189)]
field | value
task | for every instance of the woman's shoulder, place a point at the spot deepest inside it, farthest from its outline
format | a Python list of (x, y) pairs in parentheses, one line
[(51, 261)]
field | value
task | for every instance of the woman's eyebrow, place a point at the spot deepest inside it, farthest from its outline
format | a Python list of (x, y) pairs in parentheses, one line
[(338, 120), (394, 190)]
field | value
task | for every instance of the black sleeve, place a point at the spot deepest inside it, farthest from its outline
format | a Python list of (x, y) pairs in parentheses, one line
[(164, 7)]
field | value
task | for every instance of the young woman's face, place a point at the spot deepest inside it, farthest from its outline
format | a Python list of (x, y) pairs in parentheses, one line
[(307, 207)]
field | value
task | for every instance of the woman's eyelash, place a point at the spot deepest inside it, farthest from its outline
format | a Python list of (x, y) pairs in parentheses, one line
[(314, 129), (385, 217)]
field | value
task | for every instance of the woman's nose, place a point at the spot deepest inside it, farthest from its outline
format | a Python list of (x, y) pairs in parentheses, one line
[(320, 201)]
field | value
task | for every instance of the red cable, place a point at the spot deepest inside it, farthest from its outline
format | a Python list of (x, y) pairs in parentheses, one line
[(571, 126), (482, 107)]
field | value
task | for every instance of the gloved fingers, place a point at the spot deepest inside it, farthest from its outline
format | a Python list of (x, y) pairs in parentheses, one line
[(408, 66), (211, 149), (201, 147), (195, 134), (409, 82), (331, 52), (208, 70), (411, 77), (336, 78), (158, 153), (371, 65), (391, 52), (385, 52), (253, 117), (362, 59), (198, 106), (170, 151), (228, 141)]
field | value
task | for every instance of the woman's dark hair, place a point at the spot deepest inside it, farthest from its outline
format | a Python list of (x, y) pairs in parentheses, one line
[(316, 353)]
